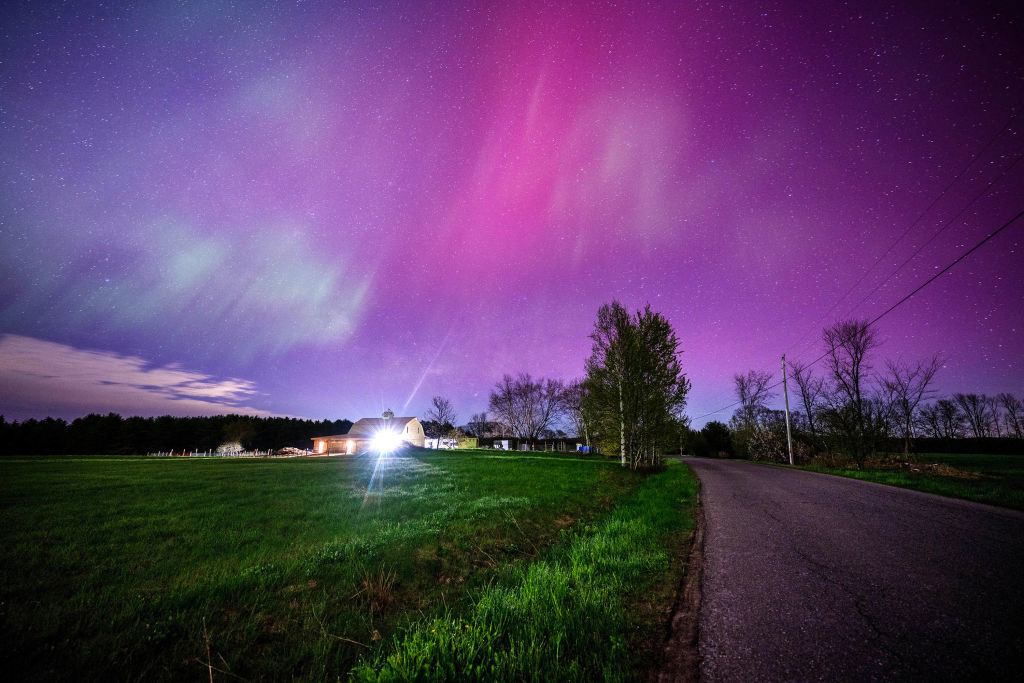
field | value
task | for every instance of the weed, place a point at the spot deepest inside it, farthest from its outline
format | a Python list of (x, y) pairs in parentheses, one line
[(377, 590)]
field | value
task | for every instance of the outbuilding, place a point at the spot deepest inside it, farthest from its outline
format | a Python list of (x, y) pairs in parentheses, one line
[(369, 432)]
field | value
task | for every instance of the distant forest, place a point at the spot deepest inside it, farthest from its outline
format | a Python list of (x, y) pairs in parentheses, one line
[(115, 435)]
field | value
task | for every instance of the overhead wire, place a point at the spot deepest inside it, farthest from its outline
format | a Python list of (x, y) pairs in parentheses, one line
[(917, 220), (958, 259), (977, 155), (942, 229)]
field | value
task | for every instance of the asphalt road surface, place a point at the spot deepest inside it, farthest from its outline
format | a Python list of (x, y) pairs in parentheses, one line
[(815, 577)]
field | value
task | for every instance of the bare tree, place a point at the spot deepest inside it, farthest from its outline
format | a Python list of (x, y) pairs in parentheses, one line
[(573, 397), (442, 413), (528, 407), (951, 420), (995, 426), (907, 386), (478, 424), (811, 391), (975, 410), (504, 404), (752, 391), (546, 406), (929, 420), (1013, 414), (847, 346)]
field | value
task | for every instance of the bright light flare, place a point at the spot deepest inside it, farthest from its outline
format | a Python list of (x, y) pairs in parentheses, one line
[(386, 441)]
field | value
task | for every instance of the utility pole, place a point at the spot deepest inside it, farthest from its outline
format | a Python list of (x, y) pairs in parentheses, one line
[(785, 392)]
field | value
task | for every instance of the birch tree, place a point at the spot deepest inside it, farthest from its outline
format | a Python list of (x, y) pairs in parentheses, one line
[(607, 371), (635, 387)]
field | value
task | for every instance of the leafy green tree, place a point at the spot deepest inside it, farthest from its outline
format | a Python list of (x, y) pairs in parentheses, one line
[(635, 389), (717, 439)]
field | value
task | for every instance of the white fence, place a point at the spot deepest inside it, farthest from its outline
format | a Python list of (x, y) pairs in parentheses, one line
[(215, 454)]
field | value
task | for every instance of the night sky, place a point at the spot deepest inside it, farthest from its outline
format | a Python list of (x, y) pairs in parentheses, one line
[(325, 209)]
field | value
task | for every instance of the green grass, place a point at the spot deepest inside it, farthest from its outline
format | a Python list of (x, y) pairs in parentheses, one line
[(1001, 480), (457, 565)]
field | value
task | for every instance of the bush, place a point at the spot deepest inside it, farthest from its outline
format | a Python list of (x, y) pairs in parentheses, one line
[(765, 445), (832, 460), (803, 452)]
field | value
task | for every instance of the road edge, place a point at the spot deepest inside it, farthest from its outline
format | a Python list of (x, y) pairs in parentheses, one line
[(681, 652), (992, 507)]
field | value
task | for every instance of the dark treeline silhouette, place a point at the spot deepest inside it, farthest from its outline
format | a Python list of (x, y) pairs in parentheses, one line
[(855, 408), (715, 439), (112, 434), (996, 445)]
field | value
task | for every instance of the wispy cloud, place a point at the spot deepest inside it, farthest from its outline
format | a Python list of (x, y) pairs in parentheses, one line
[(41, 378), (267, 289)]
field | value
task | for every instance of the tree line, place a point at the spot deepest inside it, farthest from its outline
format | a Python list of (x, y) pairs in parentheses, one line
[(855, 408), (115, 435), (629, 402)]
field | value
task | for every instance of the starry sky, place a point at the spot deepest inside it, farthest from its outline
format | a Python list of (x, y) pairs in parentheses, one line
[(325, 209)]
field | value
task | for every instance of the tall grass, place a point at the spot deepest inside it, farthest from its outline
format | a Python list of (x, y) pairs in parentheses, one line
[(991, 479), (572, 616), (131, 568)]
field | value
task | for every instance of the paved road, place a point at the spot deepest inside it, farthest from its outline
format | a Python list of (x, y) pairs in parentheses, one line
[(814, 577)]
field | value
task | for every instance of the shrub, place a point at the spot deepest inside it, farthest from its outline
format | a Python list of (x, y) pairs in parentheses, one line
[(765, 445)]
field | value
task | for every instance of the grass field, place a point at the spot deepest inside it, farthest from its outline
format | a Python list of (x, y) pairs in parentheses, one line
[(460, 566), (997, 480)]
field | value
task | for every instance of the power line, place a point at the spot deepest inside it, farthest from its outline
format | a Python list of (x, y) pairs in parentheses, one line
[(960, 258), (910, 258), (889, 310), (917, 220)]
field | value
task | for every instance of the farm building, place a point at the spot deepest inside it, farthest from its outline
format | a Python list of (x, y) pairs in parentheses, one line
[(371, 432)]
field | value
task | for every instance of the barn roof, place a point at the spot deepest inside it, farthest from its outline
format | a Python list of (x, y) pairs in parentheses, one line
[(368, 426)]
